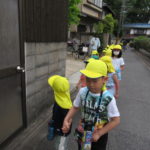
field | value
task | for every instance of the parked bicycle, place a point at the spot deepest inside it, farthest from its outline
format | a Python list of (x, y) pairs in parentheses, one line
[(70, 47), (82, 51)]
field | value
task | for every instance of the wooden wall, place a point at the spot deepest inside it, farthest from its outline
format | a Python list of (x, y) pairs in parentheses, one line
[(45, 20)]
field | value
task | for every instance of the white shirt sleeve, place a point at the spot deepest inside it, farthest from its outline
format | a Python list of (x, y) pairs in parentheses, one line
[(77, 101), (92, 41), (113, 109), (122, 62)]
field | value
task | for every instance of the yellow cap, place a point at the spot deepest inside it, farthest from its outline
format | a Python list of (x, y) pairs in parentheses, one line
[(95, 69), (108, 52), (111, 46), (118, 47), (61, 88), (95, 52), (108, 61)]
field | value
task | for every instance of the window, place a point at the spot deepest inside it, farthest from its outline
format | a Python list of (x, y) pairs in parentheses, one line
[(140, 31), (98, 3)]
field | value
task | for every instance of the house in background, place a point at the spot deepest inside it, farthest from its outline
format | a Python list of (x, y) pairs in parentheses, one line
[(90, 13), (136, 29)]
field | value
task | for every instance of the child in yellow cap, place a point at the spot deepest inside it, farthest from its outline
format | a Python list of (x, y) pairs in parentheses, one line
[(99, 112), (95, 54), (117, 60), (112, 83), (62, 104)]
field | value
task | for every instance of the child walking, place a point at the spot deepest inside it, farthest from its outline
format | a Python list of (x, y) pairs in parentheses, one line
[(112, 83), (99, 111), (95, 54), (117, 60), (62, 104)]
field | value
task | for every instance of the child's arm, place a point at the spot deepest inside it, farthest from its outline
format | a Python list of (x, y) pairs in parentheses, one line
[(116, 86), (122, 67), (68, 119), (100, 132)]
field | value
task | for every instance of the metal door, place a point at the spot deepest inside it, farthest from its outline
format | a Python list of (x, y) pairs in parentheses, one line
[(11, 114)]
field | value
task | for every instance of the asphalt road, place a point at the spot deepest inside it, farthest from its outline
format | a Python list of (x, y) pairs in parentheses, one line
[(134, 104)]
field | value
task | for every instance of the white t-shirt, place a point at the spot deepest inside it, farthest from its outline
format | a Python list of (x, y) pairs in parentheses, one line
[(95, 43), (111, 108), (118, 62)]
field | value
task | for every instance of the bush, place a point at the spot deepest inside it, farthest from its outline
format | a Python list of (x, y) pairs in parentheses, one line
[(142, 42)]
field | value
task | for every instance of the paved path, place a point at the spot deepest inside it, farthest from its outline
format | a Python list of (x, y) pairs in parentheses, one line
[(134, 105)]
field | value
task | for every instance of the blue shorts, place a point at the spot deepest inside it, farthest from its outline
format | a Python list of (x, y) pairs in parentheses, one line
[(111, 90), (118, 72)]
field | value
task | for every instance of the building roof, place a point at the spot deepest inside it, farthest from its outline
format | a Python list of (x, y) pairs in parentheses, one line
[(137, 25), (105, 6)]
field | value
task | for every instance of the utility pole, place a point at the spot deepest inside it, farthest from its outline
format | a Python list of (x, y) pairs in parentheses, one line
[(121, 19)]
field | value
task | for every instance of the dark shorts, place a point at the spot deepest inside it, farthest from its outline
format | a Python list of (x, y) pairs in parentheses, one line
[(101, 143), (59, 115)]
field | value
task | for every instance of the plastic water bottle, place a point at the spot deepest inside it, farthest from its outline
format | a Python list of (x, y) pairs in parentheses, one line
[(50, 135)]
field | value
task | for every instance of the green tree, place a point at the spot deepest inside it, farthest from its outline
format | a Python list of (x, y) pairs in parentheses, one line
[(139, 11), (73, 13), (99, 27), (115, 5), (106, 26), (108, 22)]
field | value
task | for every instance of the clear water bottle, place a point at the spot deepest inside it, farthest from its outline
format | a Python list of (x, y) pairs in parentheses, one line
[(50, 135)]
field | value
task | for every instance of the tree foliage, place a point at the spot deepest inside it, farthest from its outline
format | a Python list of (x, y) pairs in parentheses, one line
[(99, 27), (115, 5), (104, 28), (106, 25), (139, 11), (73, 12), (108, 22), (134, 10)]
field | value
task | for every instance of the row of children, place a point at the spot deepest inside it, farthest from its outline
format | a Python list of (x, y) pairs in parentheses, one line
[(112, 56), (98, 87)]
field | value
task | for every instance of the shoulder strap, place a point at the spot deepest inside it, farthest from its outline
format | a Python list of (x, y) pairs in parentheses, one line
[(100, 99), (85, 99)]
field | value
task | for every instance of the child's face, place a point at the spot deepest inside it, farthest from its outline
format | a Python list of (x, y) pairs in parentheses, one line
[(116, 52), (95, 85)]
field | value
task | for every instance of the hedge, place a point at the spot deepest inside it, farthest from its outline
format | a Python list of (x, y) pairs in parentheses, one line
[(141, 42)]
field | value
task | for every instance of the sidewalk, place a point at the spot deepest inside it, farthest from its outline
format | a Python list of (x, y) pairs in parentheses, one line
[(72, 71), (34, 137)]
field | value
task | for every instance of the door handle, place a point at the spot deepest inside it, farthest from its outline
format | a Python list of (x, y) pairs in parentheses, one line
[(20, 69)]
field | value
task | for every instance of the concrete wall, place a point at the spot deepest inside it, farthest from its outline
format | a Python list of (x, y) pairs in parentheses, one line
[(41, 61)]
